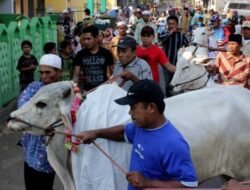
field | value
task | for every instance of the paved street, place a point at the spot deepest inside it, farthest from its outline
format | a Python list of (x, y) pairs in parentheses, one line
[(11, 162)]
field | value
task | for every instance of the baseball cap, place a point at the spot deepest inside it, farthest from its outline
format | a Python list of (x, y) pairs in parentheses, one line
[(51, 60), (215, 18), (143, 90), (246, 24), (127, 42)]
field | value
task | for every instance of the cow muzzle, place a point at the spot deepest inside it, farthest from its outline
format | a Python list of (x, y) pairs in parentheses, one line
[(15, 125)]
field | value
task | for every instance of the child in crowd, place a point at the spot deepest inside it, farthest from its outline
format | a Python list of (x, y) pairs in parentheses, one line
[(50, 47), (26, 65), (66, 52)]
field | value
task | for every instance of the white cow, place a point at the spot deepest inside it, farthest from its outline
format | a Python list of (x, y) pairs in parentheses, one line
[(190, 72), (50, 104), (214, 121)]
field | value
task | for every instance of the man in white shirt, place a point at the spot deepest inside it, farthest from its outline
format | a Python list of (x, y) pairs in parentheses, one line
[(145, 22), (245, 31)]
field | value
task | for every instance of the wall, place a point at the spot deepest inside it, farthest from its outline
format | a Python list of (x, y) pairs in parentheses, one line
[(55, 5), (7, 6)]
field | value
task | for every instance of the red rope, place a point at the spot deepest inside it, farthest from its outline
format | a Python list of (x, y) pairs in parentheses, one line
[(114, 162), (99, 148)]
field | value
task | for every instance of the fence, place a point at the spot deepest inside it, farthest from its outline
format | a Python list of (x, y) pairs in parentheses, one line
[(13, 30)]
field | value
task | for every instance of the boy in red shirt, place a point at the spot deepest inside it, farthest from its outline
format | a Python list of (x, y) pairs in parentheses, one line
[(152, 53)]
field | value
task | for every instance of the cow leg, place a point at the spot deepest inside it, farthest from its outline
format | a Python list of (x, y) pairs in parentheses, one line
[(58, 157)]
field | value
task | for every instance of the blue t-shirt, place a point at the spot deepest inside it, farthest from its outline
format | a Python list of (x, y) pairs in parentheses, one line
[(218, 33), (160, 154)]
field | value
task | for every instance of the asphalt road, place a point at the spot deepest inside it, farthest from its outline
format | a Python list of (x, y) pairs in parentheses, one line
[(11, 162)]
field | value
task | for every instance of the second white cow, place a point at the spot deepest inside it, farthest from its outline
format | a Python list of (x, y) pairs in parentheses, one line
[(190, 72)]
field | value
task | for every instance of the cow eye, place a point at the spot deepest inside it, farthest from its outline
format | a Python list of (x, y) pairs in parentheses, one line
[(41, 105), (184, 68)]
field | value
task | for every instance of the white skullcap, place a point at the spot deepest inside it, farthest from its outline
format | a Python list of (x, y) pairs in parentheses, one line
[(146, 13), (121, 23), (138, 10), (51, 60), (246, 24), (65, 11)]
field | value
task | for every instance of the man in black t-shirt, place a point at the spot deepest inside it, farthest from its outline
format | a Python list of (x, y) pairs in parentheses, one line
[(26, 65), (95, 62)]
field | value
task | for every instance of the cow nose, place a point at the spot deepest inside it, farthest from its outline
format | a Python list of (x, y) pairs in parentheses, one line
[(9, 118)]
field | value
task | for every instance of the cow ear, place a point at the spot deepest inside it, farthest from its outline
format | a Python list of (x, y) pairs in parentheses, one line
[(65, 113), (66, 93)]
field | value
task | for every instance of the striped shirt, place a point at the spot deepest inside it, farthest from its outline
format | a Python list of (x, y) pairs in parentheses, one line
[(138, 67), (233, 70), (171, 43)]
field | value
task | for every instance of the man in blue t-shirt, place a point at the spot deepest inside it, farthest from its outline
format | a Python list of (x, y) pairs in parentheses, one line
[(160, 155)]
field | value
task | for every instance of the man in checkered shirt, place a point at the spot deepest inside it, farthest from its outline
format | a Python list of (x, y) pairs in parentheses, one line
[(130, 67), (232, 67)]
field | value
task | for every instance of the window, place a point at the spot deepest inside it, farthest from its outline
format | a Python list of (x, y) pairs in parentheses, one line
[(233, 5), (245, 6)]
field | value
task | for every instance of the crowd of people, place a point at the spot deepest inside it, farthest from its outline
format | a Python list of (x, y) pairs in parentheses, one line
[(142, 40), (172, 29)]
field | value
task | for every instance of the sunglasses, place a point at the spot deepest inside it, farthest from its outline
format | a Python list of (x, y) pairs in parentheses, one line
[(245, 28)]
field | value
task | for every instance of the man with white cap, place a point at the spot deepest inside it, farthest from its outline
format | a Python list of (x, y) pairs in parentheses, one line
[(145, 22), (245, 31), (138, 16), (66, 22), (122, 32), (38, 174), (133, 18)]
